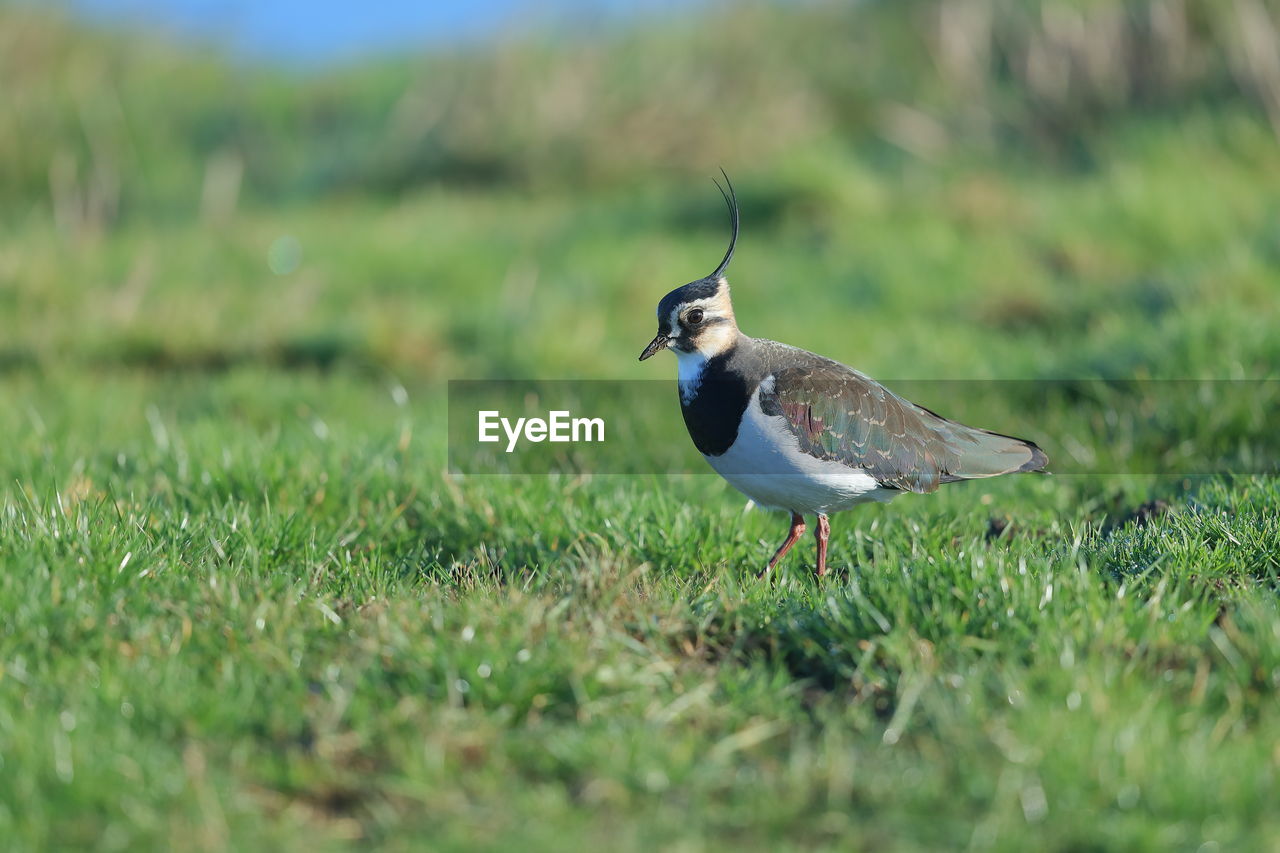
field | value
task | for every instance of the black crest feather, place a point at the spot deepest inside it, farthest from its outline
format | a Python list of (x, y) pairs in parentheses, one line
[(731, 199)]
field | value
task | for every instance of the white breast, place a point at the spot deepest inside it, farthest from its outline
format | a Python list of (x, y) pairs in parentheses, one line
[(767, 465)]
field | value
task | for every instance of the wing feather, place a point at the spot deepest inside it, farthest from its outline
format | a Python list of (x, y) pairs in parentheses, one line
[(836, 413)]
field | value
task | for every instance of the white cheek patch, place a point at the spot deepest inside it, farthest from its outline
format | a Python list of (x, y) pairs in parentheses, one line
[(674, 321), (711, 307), (717, 338), (714, 334)]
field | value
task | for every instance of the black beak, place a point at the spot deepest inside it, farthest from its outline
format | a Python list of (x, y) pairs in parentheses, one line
[(655, 346)]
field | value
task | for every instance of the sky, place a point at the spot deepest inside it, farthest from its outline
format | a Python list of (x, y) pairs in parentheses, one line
[(320, 31)]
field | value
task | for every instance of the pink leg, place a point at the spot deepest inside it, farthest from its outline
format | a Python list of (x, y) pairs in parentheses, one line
[(796, 531), (822, 534)]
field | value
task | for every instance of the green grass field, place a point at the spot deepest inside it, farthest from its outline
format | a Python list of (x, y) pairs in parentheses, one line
[(246, 606)]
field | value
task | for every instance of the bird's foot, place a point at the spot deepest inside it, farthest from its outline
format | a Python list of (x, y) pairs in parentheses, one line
[(796, 531)]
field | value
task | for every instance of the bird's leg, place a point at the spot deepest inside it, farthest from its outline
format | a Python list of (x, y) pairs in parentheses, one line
[(822, 534), (796, 531)]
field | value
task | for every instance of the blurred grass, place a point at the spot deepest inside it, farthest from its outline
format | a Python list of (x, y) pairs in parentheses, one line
[(437, 284), (745, 83), (168, 199), (247, 608)]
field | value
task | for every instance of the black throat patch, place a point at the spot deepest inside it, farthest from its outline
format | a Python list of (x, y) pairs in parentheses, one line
[(713, 415)]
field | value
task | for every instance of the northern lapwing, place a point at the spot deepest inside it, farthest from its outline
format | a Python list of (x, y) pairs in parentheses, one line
[(798, 432)]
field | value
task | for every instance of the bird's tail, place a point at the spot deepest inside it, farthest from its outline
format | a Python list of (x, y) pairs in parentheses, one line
[(977, 453)]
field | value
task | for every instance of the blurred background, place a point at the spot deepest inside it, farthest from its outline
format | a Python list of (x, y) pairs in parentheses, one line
[(1045, 189), (247, 606)]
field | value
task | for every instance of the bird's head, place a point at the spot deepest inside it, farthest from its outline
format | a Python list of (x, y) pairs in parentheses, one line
[(698, 317)]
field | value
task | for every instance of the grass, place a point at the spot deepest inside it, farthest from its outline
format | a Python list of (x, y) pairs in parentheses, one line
[(231, 629), (247, 606)]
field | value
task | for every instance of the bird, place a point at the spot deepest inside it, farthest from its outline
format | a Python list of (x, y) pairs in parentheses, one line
[(798, 432)]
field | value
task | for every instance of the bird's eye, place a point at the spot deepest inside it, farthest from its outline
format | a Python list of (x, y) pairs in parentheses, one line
[(694, 317)]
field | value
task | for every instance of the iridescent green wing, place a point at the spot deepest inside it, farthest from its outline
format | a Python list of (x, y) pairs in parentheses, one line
[(838, 414)]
